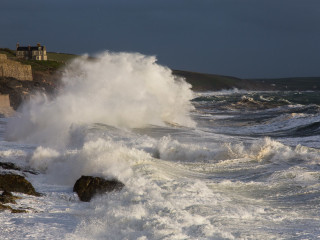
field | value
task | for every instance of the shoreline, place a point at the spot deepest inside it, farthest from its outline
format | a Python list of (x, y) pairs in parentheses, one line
[(46, 75), (211, 82)]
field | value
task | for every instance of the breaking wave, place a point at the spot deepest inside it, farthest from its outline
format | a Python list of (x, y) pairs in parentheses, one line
[(118, 89)]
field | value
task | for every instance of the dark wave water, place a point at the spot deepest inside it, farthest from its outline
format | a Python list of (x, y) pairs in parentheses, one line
[(284, 116), (263, 99)]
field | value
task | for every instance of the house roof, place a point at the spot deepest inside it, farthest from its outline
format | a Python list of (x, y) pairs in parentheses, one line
[(33, 48)]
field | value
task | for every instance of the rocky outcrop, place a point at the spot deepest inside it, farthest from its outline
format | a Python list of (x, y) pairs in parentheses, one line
[(86, 187), (9, 166), (12, 166), (4, 101), (7, 197), (20, 91), (16, 183), (5, 207), (13, 75), (11, 182)]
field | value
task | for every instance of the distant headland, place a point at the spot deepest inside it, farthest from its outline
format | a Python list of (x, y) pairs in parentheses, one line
[(27, 70)]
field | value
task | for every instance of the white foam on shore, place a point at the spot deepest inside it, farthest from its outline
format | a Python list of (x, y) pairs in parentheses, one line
[(190, 193)]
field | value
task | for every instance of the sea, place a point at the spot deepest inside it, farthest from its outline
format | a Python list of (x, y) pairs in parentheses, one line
[(228, 164)]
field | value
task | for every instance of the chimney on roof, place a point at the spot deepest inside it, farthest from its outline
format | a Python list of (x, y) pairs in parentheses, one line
[(38, 45), (29, 47), (17, 45)]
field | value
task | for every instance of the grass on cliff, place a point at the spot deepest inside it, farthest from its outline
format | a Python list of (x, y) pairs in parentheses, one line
[(42, 65), (60, 57), (54, 62), (10, 53)]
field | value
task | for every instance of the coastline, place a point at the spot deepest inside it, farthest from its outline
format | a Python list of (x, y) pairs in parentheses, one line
[(46, 75), (211, 82)]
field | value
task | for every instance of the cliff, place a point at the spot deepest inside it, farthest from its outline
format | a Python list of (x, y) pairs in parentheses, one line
[(20, 79), (5, 107)]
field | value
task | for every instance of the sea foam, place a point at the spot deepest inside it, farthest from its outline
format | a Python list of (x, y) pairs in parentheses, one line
[(119, 89)]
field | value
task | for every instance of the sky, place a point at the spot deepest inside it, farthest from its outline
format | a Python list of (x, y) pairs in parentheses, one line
[(241, 38)]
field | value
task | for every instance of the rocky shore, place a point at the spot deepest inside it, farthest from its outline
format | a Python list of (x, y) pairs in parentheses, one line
[(13, 180), (20, 91)]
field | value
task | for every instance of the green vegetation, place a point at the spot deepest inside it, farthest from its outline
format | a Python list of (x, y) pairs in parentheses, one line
[(8, 52), (54, 62), (52, 56), (60, 57), (42, 65)]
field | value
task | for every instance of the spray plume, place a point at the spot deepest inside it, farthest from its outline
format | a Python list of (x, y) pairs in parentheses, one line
[(119, 89)]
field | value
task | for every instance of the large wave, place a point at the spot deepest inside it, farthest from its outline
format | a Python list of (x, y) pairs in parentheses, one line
[(118, 89)]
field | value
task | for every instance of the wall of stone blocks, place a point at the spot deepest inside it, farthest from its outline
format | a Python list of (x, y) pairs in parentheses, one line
[(4, 101), (9, 68), (3, 57)]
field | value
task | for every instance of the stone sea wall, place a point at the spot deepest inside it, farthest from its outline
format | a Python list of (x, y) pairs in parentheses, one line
[(4, 100), (9, 68), (3, 57), (5, 108)]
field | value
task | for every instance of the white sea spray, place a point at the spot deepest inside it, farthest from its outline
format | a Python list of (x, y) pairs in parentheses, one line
[(117, 89)]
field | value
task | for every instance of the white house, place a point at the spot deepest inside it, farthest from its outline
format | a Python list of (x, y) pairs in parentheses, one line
[(31, 52)]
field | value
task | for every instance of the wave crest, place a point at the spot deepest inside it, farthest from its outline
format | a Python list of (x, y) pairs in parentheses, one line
[(118, 89)]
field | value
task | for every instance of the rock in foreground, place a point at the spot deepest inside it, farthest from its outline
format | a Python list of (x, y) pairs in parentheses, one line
[(16, 183), (4, 207), (86, 187), (7, 197)]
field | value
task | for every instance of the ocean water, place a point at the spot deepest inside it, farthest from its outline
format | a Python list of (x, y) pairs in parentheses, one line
[(215, 165)]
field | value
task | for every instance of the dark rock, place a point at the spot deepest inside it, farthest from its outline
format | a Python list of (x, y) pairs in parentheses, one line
[(16, 183), (12, 166), (4, 207), (9, 166), (7, 197), (19, 91), (31, 171), (86, 187), (18, 210)]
